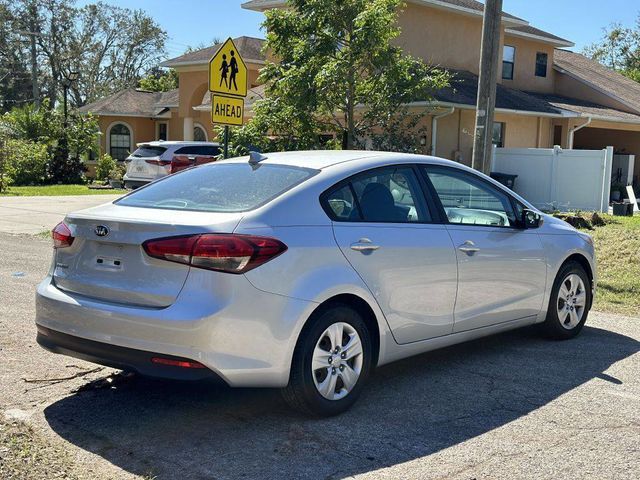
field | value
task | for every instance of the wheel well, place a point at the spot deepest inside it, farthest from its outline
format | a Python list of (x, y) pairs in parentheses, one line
[(364, 309), (584, 263)]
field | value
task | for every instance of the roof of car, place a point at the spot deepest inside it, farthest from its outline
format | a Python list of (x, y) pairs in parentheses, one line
[(321, 159), (168, 143)]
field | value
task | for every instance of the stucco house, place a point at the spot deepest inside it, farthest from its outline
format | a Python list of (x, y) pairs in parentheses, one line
[(547, 95)]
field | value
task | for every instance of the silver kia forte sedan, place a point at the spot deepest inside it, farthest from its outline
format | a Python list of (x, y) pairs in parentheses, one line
[(305, 270)]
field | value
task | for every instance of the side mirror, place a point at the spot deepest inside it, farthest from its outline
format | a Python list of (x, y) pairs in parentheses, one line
[(531, 219)]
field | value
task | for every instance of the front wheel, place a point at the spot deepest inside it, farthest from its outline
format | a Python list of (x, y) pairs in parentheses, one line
[(331, 363), (569, 304)]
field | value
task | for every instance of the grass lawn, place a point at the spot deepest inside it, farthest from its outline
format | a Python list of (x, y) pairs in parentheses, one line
[(56, 190), (618, 262)]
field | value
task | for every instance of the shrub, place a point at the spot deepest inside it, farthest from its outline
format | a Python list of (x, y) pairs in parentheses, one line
[(117, 173), (6, 167), (28, 160), (104, 167)]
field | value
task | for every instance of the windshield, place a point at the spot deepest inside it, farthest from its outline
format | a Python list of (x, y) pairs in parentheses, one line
[(220, 187), (146, 151)]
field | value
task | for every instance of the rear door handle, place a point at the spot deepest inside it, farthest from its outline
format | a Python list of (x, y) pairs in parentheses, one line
[(364, 245), (468, 247)]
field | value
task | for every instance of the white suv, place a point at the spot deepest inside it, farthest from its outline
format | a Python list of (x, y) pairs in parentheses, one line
[(154, 160)]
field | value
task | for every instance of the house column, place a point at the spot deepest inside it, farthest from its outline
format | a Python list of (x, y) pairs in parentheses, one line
[(188, 129)]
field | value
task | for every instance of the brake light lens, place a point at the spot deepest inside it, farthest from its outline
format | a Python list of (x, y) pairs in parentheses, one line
[(161, 163), (220, 252), (61, 236), (180, 162)]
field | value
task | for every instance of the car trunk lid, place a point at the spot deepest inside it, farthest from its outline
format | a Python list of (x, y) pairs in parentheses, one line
[(106, 260)]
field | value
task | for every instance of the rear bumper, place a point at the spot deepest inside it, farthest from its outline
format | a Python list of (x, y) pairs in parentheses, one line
[(119, 357), (241, 334)]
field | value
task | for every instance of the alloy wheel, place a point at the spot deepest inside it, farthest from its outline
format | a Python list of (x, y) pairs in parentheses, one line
[(572, 301)]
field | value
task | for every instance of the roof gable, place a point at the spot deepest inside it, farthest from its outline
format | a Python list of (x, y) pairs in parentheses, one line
[(599, 77), (133, 103), (250, 49)]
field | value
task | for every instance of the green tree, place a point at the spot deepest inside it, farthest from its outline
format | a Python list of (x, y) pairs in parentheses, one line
[(619, 49), (339, 71), (159, 80), (110, 47)]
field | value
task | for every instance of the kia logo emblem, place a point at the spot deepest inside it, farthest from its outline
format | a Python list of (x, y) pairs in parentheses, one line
[(101, 231)]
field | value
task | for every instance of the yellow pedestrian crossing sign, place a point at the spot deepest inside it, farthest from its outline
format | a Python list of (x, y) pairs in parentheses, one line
[(227, 71), (227, 110)]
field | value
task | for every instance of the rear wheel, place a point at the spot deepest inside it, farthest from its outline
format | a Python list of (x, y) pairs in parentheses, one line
[(331, 363), (569, 304)]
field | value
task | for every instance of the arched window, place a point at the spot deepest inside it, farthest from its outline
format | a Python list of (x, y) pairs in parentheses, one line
[(119, 141), (199, 135)]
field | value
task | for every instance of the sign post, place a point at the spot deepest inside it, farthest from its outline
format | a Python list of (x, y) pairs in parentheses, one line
[(228, 87)]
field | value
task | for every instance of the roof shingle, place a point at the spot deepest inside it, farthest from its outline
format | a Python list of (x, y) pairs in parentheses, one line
[(249, 47), (531, 30), (464, 91), (133, 102), (600, 77), (585, 108)]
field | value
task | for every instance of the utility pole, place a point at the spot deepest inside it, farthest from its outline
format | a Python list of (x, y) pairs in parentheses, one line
[(487, 84)]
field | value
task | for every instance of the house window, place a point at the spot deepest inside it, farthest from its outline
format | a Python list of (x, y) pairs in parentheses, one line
[(163, 131), (119, 141), (199, 135), (541, 64), (497, 137), (508, 62)]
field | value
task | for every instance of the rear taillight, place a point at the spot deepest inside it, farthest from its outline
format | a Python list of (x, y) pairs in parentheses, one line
[(161, 163), (180, 162), (61, 236), (221, 252)]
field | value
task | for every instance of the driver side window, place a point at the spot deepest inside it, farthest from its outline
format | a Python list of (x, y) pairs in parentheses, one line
[(470, 201)]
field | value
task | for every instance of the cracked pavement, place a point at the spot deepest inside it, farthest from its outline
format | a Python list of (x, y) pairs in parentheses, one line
[(509, 406)]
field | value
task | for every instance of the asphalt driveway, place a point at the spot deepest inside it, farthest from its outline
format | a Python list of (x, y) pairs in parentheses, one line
[(509, 406), (36, 214)]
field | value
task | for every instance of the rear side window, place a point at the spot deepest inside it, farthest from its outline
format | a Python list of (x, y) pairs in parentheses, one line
[(385, 195), (220, 187), (147, 151), (199, 150)]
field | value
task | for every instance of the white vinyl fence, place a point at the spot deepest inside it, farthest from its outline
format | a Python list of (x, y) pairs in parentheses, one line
[(557, 179)]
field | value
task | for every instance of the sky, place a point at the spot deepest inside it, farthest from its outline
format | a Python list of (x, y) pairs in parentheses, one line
[(195, 22)]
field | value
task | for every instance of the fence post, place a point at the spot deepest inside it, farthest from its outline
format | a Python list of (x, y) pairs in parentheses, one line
[(606, 179)]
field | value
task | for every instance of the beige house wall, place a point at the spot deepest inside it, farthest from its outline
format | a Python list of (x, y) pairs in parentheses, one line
[(143, 129), (524, 75), (440, 37)]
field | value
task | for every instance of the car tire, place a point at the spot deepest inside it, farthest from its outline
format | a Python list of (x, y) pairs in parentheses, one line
[(330, 390), (569, 303)]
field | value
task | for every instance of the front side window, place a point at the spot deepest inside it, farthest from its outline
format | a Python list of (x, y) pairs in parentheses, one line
[(508, 62), (468, 200), (385, 195), (219, 187), (119, 141), (541, 64)]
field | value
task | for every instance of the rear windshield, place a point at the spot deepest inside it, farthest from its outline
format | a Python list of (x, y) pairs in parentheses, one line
[(220, 187), (146, 151)]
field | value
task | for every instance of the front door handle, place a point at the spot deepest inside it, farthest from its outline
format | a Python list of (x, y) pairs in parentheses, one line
[(468, 247), (364, 245)]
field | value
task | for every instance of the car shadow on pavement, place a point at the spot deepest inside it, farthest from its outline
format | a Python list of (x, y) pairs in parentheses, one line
[(410, 409)]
